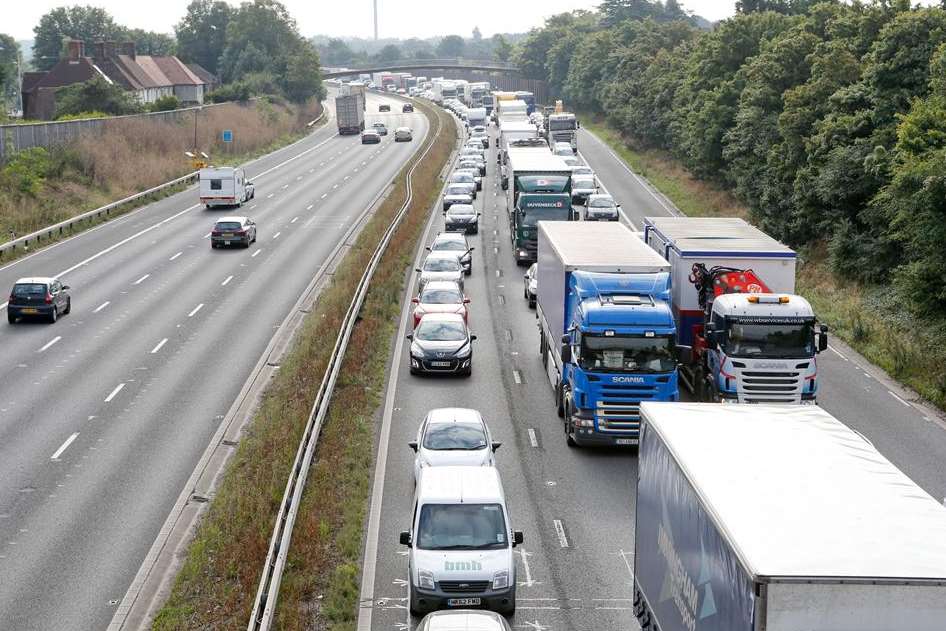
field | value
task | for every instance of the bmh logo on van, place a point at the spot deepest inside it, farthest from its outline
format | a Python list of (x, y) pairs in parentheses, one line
[(627, 380), (462, 566)]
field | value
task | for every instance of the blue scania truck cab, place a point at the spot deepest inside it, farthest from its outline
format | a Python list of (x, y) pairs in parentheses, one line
[(607, 333)]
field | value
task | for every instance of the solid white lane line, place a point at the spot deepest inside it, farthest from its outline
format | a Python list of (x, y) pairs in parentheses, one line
[(532, 438), (226, 280), (207, 236), (836, 352), (50, 343), (141, 280), (196, 309), (101, 306), (309, 207), (276, 236), (255, 253), (114, 392), (899, 399), (560, 531), (175, 256), (294, 220), (298, 177), (64, 446), (159, 345)]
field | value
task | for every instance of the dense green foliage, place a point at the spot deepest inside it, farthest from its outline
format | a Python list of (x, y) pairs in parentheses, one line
[(827, 119), (95, 94), (353, 51)]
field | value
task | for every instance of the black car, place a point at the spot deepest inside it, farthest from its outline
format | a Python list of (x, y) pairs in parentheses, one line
[(455, 242), (41, 297), (384, 107), (442, 343), (233, 231), (461, 218), (407, 107), (370, 137)]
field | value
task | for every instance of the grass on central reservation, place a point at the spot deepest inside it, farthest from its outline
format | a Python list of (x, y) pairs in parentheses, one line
[(868, 318), (217, 585)]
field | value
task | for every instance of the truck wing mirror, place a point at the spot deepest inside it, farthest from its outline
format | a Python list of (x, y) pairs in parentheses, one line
[(413, 445), (405, 538), (566, 353), (517, 538), (684, 354), (566, 339), (823, 339)]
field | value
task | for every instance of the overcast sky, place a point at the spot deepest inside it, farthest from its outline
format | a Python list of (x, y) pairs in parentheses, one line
[(397, 18)]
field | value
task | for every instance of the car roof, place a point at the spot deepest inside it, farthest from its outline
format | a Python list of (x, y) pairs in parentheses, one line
[(454, 415), (600, 196), (460, 207), (449, 235), (443, 284), (35, 280), (464, 620), (407, 129), (233, 218), (444, 317), (442, 254), (460, 485)]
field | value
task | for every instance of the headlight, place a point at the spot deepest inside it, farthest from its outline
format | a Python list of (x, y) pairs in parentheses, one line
[(425, 579), (416, 350), (465, 351), (501, 580)]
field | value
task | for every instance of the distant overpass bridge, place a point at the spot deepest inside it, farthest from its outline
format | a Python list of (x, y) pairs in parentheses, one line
[(501, 75)]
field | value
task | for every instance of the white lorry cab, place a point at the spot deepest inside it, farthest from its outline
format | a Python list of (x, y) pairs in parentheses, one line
[(460, 542), (224, 186)]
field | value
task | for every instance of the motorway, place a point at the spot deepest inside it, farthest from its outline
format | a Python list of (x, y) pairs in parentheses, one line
[(575, 506), (104, 415)]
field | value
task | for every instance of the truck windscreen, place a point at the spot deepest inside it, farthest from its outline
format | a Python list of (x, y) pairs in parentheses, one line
[(543, 183), (626, 353), (562, 125), (775, 339), (531, 216)]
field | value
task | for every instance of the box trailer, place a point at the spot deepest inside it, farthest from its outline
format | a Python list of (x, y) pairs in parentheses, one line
[(350, 113), (794, 522)]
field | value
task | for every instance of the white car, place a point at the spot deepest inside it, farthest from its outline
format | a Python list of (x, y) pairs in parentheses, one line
[(531, 284), (563, 149), (463, 620), (601, 207), (458, 194), (453, 436), (403, 134), (441, 265)]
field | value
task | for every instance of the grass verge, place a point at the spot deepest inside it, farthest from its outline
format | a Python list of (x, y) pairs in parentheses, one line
[(41, 187), (218, 582), (869, 318)]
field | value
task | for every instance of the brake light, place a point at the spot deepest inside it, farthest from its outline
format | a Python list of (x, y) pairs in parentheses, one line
[(215, 233), (49, 298), (239, 232)]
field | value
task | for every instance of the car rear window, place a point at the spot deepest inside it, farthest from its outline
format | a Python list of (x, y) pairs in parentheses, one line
[(228, 225), (449, 244), (29, 289), (441, 297)]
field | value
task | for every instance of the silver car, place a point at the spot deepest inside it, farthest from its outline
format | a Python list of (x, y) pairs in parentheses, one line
[(455, 242), (464, 620), (583, 186), (601, 207), (403, 134), (441, 265), (453, 436), (457, 194)]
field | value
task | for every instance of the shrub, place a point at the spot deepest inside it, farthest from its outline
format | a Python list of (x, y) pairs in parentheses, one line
[(27, 171), (165, 104)]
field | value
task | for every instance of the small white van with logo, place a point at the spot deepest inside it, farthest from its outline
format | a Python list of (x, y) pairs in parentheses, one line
[(461, 542)]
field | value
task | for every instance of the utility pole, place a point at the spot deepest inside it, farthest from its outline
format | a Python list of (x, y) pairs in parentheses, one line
[(375, 20)]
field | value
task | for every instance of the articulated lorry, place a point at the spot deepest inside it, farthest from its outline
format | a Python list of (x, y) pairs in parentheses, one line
[(779, 518), (514, 110), (443, 91), (539, 189), (476, 93), (512, 130), (606, 328), (350, 113), (562, 127), (744, 335)]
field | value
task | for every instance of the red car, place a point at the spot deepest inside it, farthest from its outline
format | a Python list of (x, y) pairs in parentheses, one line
[(440, 296)]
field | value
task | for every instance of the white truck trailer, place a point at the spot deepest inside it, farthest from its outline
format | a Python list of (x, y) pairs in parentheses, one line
[(510, 131), (792, 522), (514, 110)]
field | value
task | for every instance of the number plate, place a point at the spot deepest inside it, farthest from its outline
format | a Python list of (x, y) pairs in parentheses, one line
[(226, 243), (29, 310), (440, 364), (626, 441), (463, 602)]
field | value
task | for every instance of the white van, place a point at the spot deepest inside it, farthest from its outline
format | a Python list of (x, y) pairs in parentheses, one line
[(225, 186), (461, 542)]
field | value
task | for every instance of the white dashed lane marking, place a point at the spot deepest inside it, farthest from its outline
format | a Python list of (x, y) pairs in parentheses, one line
[(175, 256), (114, 392), (49, 343), (64, 446), (255, 253), (159, 345), (101, 306), (196, 309), (226, 280), (141, 280)]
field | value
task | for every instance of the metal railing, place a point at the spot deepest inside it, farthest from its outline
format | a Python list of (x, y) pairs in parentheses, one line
[(264, 607)]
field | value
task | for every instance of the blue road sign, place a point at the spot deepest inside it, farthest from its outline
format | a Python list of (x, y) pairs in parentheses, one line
[(228, 135)]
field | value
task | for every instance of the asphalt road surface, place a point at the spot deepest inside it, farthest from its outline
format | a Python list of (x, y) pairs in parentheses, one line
[(104, 415), (575, 506)]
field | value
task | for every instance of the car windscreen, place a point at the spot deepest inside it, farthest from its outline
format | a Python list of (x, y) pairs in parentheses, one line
[(461, 527), (454, 436), (533, 216), (440, 331), (228, 225), (441, 297), (29, 289), (600, 203), (441, 265)]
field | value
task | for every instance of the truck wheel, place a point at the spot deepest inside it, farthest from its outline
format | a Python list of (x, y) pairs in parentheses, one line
[(569, 426)]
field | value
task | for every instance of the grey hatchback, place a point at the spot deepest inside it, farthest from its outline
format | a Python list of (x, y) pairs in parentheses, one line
[(41, 296)]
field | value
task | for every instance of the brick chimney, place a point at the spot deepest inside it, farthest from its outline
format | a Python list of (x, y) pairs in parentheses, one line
[(104, 50), (128, 48), (76, 48)]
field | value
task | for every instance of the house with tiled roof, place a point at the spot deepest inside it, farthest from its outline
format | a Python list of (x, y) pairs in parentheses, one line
[(148, 77)]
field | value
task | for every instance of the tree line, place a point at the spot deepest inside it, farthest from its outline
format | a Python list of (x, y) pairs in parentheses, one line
[(826, 118), (336, 51)]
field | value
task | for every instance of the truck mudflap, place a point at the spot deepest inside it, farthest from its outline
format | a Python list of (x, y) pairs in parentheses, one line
[(687, 577)]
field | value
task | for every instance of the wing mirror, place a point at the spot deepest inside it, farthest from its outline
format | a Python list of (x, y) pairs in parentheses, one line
[(410, 336), (65, 287), (496, 445), (472, 338), (517, 538), (466, 301), (413, 445), (417, 269), (405, 538), (822, 337), (428, 249), (415, 300)]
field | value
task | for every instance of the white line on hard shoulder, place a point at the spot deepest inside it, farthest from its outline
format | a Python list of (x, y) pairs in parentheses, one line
[(532, 438), (49, 343), (114, 392), (159, 345), (836, 352), (294, 220), (141, 280), (226, 280), (334, 185), (101, 306), (285, 186), (196, 309), (255, 253), (517, 376), (207, 235), (270, 195), (899, 399), (64, 446), (175, 256), (560, 531)]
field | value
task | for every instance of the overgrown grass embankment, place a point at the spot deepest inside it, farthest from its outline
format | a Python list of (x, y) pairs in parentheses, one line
[(218, 582), (41, 187), (870, 319)]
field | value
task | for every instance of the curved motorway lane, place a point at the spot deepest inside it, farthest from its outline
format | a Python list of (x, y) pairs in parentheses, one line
[(104, 415)]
